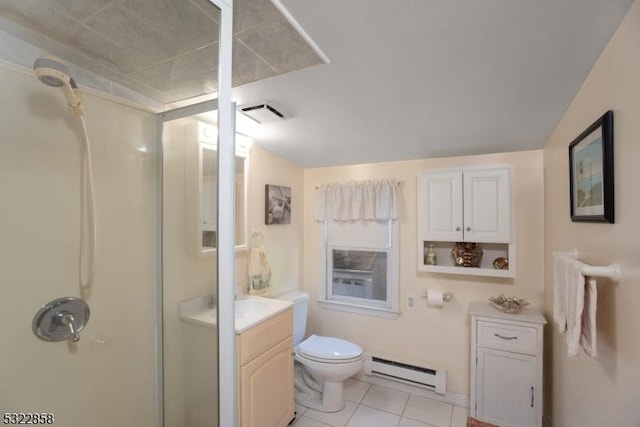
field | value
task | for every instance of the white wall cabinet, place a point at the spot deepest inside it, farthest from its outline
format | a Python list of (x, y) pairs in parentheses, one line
[(466, 205), (201, 188), (265, 358), (506, 366)]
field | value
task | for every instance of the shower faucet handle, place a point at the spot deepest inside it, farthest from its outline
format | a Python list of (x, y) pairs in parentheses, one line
[(67, 320), (61, 319)]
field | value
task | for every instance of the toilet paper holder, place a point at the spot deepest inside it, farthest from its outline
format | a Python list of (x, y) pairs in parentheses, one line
[(446, 296)]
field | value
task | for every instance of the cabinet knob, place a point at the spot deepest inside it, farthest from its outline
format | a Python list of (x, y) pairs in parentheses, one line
[(457, 228), (468, 228)]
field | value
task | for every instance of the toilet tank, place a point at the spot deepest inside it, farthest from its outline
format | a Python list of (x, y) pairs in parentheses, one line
[(300, 301)]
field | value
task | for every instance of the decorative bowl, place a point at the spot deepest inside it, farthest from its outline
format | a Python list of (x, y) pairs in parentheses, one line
[(508, 304), (501, 263)]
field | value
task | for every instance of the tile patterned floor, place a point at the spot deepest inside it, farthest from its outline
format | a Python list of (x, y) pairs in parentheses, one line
[(370, 405)]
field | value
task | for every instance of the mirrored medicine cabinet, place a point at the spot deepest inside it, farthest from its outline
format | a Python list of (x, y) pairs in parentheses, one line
[(201, 189)]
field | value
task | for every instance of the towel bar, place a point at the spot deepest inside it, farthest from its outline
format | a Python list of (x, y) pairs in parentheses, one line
[(610, 271)]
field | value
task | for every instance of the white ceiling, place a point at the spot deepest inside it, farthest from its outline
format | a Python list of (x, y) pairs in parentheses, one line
[(416, 79), (407, 79)]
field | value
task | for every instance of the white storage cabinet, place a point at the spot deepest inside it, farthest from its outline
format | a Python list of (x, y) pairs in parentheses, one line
[(466, 205), (506, 366)]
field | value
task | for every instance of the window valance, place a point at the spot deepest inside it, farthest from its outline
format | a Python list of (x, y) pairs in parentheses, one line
[(373, 200)]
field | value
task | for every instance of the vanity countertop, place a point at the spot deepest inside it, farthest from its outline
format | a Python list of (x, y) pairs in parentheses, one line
[(249, 311)]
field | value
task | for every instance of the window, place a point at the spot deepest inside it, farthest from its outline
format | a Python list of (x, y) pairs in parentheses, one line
[(360, 259), (358, 275)]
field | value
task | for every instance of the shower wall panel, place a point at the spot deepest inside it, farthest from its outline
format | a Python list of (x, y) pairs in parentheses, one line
[(108, 377)]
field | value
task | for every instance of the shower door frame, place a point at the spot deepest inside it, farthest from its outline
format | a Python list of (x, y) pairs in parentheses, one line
[(225, 254)]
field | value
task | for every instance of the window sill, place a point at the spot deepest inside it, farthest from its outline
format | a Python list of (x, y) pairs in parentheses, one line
[(359, 309)]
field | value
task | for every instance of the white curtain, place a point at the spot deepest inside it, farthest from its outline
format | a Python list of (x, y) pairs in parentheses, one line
[(374, 200)]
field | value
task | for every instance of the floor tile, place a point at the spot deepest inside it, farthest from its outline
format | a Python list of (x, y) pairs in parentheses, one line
[(407, 422), (428, 411), (335, 419), (386, 399), (460, 415), (370, 417), (355, 390), (308, 422)]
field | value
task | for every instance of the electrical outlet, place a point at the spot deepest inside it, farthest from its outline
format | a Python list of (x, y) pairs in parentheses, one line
[(411, 301)]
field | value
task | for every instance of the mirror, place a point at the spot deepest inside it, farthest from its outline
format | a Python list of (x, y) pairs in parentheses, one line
[(201, 188)]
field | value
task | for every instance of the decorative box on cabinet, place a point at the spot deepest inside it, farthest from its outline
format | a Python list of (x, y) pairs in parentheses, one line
[(265, 358), (506, 366), (466, 205)]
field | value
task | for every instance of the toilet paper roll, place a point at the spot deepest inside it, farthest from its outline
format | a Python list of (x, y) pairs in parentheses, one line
[(435, 298)]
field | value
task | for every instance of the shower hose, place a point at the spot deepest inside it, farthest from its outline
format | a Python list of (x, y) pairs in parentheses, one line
[(88, 214)]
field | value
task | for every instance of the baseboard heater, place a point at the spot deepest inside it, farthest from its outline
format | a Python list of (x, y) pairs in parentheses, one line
[(432, 379)]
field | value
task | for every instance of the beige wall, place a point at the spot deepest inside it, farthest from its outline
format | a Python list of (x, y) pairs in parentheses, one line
[(430, 337), (108, 378), (283, 243), (605, 391)]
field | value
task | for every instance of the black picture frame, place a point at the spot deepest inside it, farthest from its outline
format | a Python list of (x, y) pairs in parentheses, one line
[(591, 173)]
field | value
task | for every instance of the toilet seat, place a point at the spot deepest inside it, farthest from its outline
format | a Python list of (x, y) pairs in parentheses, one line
[(329, 350)]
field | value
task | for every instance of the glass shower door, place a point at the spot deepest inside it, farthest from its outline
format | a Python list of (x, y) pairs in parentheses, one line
[(198, 254), (113, 375)]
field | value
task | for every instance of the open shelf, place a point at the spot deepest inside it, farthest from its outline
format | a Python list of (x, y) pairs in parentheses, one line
[(445, 263)]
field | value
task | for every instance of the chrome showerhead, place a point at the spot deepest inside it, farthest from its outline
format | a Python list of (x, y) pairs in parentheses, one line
[(53, 72)]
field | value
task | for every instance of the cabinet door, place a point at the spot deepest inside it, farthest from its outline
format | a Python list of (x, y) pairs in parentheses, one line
[(210, 203), (505, 393), (266, 388), (440, 206), (487, 206)]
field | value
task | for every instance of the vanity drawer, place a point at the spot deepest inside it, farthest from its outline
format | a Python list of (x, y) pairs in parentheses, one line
[(255, 341), (520, 339)]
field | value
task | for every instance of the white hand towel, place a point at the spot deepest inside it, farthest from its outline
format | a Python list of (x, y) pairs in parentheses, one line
[(574, 305), (560, 290), (588, 335)]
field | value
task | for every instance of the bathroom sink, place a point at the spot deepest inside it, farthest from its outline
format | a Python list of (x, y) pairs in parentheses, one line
[(248, 311), (250, 307)]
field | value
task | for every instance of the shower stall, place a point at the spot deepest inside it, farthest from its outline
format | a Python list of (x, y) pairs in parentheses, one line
[(74, 205)]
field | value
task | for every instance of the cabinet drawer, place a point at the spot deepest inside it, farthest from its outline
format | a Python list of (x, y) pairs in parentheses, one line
[(261, 338), (520, 339)]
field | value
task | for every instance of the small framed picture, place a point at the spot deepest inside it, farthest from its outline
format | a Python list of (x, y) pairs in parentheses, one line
[(591, 173), (277, 209)]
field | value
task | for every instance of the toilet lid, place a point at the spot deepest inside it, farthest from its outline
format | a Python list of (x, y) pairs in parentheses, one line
[(329, 348)]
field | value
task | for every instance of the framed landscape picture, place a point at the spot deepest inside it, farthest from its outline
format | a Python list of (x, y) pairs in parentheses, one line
[(591, 172)]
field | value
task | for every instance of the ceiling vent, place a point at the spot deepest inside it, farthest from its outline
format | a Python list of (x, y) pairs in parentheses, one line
[(263, 112)]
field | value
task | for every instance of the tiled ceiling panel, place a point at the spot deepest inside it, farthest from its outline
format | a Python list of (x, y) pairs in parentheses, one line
[(164, 49), (280, 45)]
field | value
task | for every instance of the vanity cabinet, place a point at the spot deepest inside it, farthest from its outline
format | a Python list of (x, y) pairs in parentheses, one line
[(466, 205), (265, 359), (506, 366)]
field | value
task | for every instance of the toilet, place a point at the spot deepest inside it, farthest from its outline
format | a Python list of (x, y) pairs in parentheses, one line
[(321, 363)]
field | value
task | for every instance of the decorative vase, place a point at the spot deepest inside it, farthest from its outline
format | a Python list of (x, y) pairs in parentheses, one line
[(467, 254), (430, 257)]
